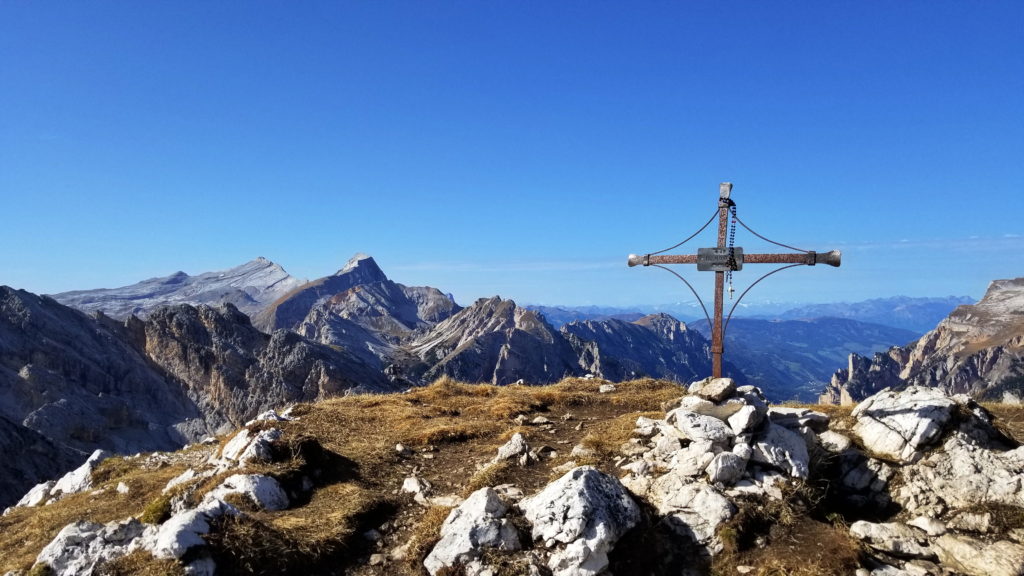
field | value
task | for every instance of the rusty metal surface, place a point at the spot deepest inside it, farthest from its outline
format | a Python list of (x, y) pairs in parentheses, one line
[(832, 258)]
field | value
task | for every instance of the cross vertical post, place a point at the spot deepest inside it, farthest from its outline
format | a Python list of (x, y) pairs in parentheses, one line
[(717, 343), (725, 258)]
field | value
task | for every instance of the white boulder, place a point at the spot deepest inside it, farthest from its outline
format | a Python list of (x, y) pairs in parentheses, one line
[(247, 447), (700, 427), (476, 524), (746, 419), (694, 509), (79, 479), (892, 537), (794, 418), (726, 467), (587, 511), (37, 495), (783, 449), (184, 531), (80, 546), (899, 424), (515, 449), (974, 557), (263, 491), (714, 389)]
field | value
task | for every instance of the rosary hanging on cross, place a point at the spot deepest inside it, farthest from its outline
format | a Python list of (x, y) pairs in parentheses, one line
[(726, 258)]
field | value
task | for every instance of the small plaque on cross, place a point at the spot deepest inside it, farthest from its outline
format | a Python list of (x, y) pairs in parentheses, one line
[(719, 259)]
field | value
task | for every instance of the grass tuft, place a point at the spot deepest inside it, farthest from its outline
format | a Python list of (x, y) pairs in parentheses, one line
[(157, 511)]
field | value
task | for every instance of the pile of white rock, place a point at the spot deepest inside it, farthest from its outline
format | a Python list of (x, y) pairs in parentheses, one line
[(80, 546), (718, 443)]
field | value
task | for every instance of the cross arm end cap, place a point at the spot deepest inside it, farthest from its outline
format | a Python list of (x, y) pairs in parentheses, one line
[(832, 258), (635, 260)]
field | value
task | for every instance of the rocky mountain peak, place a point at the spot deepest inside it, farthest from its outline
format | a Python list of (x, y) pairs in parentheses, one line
[(363, 269), (661, 323)]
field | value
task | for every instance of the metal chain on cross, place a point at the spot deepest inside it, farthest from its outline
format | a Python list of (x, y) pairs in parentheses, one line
[(732, 248), (726, 258)]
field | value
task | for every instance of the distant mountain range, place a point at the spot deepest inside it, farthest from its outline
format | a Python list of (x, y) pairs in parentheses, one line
[(978, 349), (917, 315)]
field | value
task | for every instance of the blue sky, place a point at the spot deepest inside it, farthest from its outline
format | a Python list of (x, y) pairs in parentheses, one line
[(513, 148)]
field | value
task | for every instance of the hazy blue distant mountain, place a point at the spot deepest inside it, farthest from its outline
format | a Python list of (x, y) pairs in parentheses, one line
[(910, 313), (559, 316), (916, 314), (796, 358)]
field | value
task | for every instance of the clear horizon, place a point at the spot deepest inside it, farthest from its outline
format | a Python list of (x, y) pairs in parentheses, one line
[(521, 150)]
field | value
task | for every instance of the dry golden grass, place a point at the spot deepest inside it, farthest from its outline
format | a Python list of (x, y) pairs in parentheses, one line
[(793, 542), (346, 446), (1009, 419), (491, 475)]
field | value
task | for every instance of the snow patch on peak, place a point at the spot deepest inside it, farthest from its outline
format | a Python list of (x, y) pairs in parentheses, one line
[(354, 262)]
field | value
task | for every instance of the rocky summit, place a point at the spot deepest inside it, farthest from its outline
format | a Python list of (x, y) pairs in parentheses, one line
[(978, 349), (570, 479)]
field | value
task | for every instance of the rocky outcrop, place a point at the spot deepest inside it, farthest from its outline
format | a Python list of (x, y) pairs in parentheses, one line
[(232, 371), (575, 522), (656, 346), (978, 350), (80, 547), (497, 342), (899, 425), (248, 287), (951, 462), (581, 516)]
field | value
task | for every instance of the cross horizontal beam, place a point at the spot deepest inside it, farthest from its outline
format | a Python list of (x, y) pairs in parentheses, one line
[(831, 258)]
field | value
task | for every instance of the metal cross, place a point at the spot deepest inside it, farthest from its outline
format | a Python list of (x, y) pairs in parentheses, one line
[(726, 258)]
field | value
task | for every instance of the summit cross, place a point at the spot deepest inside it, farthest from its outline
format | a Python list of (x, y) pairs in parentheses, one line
[(725, 259)]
